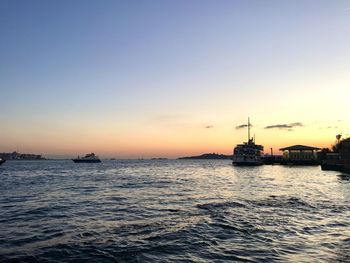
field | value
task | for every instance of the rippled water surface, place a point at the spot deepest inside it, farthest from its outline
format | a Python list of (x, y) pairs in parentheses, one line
[(172, 211)]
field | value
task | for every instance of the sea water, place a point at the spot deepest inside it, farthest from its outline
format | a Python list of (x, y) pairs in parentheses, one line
[(172, 211)]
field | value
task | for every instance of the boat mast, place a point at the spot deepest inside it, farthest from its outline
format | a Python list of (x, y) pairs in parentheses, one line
[(248, 129)]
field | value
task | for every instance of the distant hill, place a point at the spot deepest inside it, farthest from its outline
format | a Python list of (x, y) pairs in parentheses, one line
[(208, 156)]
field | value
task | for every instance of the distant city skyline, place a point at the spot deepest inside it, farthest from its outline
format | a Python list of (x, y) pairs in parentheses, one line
[(141, 79)]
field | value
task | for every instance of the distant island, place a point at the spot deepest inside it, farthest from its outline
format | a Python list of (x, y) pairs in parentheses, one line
[(208, 156), (20, 156)]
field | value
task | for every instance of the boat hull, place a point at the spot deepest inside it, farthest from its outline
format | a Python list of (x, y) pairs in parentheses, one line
[(86, 161), (2, 161)]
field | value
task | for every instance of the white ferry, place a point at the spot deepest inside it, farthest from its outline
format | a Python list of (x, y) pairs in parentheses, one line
[(248, 153), (89, 158)]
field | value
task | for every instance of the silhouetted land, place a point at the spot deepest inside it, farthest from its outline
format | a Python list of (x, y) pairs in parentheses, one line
[(208, 156)]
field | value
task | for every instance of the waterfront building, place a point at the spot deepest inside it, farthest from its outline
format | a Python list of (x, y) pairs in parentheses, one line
[(300, 154), (340, 159), (344, 149)]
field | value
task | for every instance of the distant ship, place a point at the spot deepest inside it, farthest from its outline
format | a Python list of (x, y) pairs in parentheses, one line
[(89, 158), (2, 161), (248, 153)]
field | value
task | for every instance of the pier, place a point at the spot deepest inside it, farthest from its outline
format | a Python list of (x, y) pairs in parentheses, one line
[(294, 155)]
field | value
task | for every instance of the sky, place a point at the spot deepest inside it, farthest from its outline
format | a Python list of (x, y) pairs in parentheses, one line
[(139, 79)]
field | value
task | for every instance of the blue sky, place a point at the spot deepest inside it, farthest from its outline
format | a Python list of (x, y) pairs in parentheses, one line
[(120, 68)]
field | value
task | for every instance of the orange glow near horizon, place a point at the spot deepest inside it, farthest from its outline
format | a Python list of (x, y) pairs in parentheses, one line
[(169, 142)]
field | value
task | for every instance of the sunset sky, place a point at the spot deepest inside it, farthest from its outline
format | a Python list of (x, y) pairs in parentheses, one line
[(133, 79)]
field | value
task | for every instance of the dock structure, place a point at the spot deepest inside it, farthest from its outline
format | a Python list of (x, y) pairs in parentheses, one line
[(300, 155), (270, 159)]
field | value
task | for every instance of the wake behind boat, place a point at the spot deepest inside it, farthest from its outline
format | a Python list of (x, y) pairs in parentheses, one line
[(89, 158), (248, 153), (2, 161)]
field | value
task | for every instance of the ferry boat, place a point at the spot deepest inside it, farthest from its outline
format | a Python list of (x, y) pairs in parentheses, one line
[(89, 158), (248, 153), (2, 161)]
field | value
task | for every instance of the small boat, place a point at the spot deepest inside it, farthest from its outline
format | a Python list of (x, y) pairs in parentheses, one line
[(89, 158), (248, 153), (2, 161)]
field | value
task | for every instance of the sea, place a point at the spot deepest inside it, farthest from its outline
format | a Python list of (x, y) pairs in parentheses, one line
[(172, 211)]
